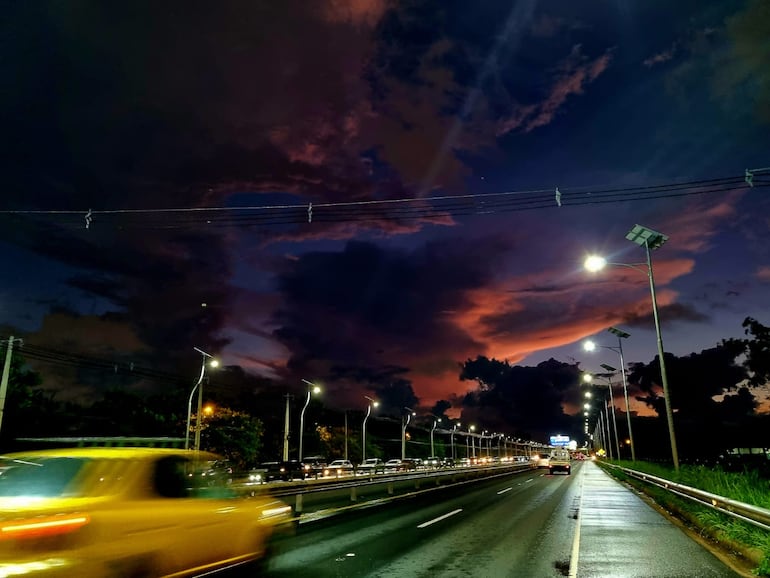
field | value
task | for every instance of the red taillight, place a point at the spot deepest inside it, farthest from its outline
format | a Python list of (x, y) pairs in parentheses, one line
[(43, 526)]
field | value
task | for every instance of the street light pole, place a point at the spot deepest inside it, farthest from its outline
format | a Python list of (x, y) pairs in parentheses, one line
[(363, 429), (662, 357), (436, 420), (452, 438), (650, 240), (410, 413), (621, 335), (199, 386), (612, 405), (286, 430), (313, 389)]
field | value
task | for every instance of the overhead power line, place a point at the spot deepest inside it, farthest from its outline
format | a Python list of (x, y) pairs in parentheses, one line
[(60, 358), (400, 209)]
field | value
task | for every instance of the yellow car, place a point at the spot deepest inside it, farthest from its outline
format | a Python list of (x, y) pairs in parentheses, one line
[(126, 512)]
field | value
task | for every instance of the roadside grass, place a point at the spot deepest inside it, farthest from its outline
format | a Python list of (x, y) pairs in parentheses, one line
[(747, 487)]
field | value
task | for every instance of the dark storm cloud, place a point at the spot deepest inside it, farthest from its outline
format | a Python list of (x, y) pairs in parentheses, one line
[(668, 314), (157, 281), (534, 398), (143, 105), (141, 97), (371, 306)]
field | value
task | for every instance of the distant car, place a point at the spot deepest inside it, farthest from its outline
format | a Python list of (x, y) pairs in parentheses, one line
[(313, 466), (448, 462), (465, 462), (394, 465), (408, 464), (256, 476), (339, 468), (94, 512), (432, 462), (217, 472), (371, 466), (542, 460), (285, 471)]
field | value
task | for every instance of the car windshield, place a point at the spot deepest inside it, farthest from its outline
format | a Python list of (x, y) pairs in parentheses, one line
[(38, 477)]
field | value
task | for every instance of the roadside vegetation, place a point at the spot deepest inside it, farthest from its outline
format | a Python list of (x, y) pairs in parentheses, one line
[(747, 487)]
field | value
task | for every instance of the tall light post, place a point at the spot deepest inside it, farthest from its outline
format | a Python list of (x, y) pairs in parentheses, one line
[(591, 346), (286, 423), (198, 385), (313, 389), (452, 437), (374, 403), (405, 422), (436, 421), (608, 377), (471, 429), (650, 240), (488, 436), (589, 378)]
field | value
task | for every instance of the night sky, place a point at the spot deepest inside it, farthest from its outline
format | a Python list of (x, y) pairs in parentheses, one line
[(133, 107)]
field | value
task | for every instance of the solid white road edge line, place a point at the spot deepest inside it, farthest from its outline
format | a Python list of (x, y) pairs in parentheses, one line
[(434, 520), (573, 559)]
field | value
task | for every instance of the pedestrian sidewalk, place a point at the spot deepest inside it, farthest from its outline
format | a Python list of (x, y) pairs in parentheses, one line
[(619, 534)]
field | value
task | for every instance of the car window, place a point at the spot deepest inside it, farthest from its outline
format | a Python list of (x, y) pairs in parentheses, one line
[(39, 477), (171, 479)]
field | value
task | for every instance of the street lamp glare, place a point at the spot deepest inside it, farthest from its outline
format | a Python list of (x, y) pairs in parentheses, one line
[(588, 378), (587, 406), (214, 363), (594, 263), (589, 345)]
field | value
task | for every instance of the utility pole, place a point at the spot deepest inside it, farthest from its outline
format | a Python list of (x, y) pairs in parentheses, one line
[(286, 431), (6, 375), (346, 435)]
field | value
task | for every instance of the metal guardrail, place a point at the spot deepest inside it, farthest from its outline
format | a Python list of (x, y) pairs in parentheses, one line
[(332, 496), (755, 515)]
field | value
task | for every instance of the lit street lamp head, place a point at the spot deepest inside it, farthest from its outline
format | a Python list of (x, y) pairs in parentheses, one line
[(589, 345), (587, 378), (594, 263)]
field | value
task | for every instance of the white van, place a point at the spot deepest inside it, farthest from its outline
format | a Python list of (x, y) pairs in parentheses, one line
[(560, 461)]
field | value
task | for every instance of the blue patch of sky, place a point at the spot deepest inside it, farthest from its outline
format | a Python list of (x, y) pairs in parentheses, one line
[(25, 296)]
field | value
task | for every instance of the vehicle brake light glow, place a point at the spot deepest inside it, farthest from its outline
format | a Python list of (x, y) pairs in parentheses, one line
[(37, 527)]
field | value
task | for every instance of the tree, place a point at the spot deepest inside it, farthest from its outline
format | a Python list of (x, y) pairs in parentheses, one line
[(29, 410), (695, 380), (234, 435), (531, 399), (756, 349), (439, 409), (395, 396)]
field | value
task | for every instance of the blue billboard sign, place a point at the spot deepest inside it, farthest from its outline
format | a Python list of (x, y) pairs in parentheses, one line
[(559, 440)]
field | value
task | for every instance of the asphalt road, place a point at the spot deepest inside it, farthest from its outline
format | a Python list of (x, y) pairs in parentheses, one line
[(527, 525)]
